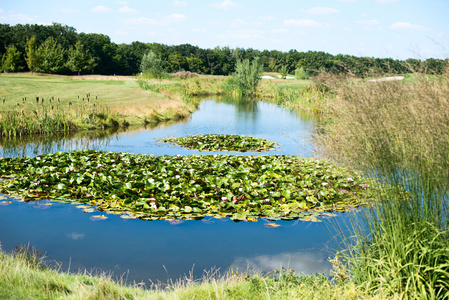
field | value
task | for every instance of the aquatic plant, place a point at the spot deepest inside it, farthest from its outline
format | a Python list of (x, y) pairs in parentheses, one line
[(185, 187), (222, 142), (396, 132)]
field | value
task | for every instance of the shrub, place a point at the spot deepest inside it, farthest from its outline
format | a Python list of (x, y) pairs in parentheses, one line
[(247, 76)]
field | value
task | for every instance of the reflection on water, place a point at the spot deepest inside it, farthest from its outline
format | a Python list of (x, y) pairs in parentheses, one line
[(159, 250), (304, 262)]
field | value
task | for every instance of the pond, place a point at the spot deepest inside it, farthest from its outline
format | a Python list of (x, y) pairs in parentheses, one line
[(144, 251)]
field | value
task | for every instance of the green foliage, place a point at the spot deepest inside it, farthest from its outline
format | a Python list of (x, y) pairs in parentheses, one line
[(223, 142), (151, 66), (188, 187), (301, 74), (247, 76), (11, 60), (283, 72), (79, 59), (396, 132), (32, 58), (51, 57)]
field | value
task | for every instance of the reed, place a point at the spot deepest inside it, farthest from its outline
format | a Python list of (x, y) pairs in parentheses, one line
[(396, 132), (51, 115)]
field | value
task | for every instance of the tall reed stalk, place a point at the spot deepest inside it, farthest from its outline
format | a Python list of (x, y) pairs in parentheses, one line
[(397, 132), (50, 115)]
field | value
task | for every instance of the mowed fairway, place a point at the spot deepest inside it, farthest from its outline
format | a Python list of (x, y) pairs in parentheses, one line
[(121, 94)]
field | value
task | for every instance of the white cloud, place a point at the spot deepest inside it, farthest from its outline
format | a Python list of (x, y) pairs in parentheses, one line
[(178, 3), (199, 30), (69, 10), (122, 2), (245, 34), (127, 10), (226, 4), (140, 21), (368, 22), (319, 10), (166, 20), (1, 11), (404, 25), (100, 9), (302, 23), (13, 18), (174, 18)]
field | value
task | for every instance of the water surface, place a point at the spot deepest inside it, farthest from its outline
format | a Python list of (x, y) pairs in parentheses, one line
[(159, 250)]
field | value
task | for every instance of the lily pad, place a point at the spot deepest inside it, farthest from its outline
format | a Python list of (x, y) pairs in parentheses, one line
[(243, 188), (223, 142)]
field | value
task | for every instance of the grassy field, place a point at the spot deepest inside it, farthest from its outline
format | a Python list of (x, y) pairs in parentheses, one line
[(26, 274), (120, 95)]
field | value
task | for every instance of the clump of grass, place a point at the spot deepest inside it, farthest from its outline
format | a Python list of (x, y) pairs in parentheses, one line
[(41, 115), (397, 132), (309, 98)]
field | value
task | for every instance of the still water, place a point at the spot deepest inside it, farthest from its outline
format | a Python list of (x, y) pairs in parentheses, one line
[(144, 251)]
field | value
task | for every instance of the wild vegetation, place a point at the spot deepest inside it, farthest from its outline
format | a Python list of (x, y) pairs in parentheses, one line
[(188, 187), (396, 132), (28, 274), (223, 142)]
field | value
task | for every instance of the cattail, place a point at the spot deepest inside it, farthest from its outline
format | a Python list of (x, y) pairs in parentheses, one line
[(37, 100), (70, 103), (58, 100)]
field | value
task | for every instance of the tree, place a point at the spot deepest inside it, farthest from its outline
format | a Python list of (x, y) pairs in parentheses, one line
[(151, 65), (247, 76), (11, 60), (80, 59), (51, 57), (284, 71), (32, 57)]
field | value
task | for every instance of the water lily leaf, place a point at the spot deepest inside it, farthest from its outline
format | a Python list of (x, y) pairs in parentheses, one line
[(188, 186), (98, 217), (88, 210)]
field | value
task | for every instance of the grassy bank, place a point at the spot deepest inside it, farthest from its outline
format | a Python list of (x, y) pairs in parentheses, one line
[(26, 274), (36, 103), (397, 132)]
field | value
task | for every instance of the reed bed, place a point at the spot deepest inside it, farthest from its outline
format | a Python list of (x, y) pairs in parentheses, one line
[(396, 132), (39, 115)]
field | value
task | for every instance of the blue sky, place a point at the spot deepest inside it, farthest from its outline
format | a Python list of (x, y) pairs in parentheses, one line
[(377, 28)]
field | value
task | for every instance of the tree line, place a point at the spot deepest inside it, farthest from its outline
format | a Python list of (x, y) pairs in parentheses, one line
[(59, 49)]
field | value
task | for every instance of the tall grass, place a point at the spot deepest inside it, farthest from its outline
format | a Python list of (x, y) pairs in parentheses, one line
[(41, 115), (28, 274), (397, 132)]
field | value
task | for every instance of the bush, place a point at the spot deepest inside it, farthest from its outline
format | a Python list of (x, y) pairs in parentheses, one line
[(151, 65), (247, 76), (301, 74)]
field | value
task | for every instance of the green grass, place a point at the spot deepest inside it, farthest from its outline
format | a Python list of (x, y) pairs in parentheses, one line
[(26, 274), (118, 97), (396, 132)]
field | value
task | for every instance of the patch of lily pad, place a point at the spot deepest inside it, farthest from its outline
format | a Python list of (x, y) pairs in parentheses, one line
[(188, 187), (222, 142)]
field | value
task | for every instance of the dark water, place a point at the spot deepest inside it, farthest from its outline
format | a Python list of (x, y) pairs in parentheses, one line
[(159, 250)]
